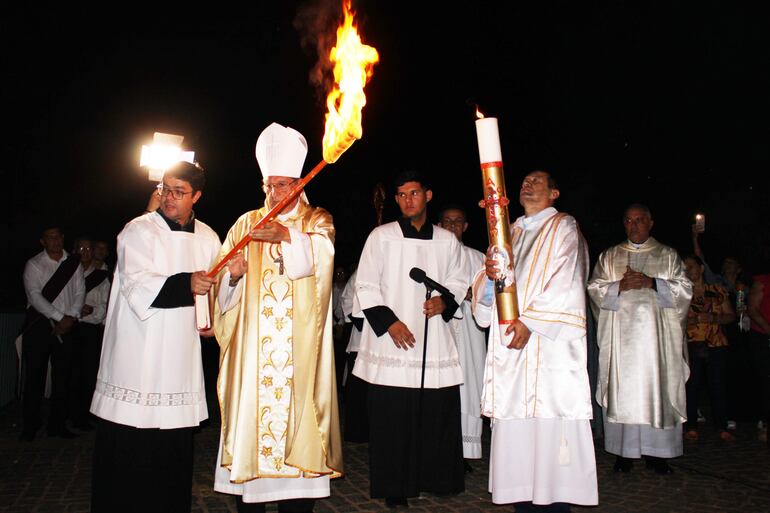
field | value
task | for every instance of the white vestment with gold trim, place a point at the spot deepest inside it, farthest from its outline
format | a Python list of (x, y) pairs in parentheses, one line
[(548, 378)]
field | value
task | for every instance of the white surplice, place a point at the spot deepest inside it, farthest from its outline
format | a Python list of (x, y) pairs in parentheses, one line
[(348, 302), (383, 279), (151, 374), (540, 395), (472, 348)]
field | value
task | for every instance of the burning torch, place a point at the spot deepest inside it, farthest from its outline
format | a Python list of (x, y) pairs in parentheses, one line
[(498, 227), (353, 64)]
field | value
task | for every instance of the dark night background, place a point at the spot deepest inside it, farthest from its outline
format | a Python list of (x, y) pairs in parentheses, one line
[(664, 103)]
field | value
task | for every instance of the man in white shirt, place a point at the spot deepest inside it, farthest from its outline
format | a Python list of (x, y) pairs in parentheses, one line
[(53, 282), (88, 333)]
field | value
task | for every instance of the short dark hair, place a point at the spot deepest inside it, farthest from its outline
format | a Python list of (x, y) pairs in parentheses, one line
[(452, 206), (410, 175), (638, 206), (44, 227), (190, 173), (78, 240)]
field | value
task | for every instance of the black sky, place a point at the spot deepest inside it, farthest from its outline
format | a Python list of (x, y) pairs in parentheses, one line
[(665, 103)]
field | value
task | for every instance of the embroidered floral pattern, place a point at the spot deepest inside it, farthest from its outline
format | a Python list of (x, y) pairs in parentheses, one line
[(276, 368)]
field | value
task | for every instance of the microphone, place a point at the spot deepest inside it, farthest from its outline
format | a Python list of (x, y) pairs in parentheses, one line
[(418, 275)]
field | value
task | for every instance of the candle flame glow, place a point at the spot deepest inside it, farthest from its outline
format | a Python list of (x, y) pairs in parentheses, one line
[(479, 115), (353, 65)]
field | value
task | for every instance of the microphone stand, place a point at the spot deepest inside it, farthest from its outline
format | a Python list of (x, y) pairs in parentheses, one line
[(428, 292)]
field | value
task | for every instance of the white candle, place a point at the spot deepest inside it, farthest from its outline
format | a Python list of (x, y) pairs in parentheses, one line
[(489, 140)]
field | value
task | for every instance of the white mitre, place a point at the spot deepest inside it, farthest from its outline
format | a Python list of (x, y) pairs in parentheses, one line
[(281, 151)]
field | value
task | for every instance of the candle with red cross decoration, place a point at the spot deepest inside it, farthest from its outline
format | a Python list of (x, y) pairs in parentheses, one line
[(498, 226)]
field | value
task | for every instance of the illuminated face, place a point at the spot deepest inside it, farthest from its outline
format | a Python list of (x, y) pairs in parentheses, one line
[(454, 221), (178, 210), (693, 270), (412, 199), (535, 191), (85, 249), (52, 241), (276, 189), (638, 224)]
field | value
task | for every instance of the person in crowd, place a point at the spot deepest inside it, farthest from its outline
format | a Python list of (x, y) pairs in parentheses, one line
[(88, 333), (471, 342), (759, 345), (710, 308), (356, 417), (734, 280), (55, 289)]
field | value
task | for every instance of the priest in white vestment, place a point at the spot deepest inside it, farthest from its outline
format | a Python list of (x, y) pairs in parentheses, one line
[(471, 342), (536, 388), (150, 392), (640, 297), (273, 320), (415, 441)]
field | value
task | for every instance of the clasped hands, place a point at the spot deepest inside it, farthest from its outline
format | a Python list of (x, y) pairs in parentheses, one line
[(634, 280)]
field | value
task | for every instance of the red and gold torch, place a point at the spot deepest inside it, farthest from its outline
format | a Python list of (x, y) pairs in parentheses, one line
[(498, 227)]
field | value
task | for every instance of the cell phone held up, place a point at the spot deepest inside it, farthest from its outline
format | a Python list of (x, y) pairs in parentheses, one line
[(700, 223)]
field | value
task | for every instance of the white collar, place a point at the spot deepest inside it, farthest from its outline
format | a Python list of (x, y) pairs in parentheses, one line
[(287, 215), (530, 221)]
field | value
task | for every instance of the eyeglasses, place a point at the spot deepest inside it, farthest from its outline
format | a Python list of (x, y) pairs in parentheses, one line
[(177, 194), (452, 221), (277, 186)]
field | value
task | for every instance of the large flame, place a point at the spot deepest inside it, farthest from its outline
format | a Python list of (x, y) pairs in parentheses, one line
[(353, 63)]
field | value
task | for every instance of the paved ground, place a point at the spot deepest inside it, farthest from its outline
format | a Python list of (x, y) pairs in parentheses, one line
[(53, 475)]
